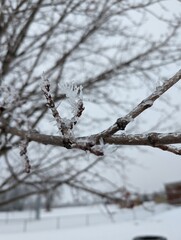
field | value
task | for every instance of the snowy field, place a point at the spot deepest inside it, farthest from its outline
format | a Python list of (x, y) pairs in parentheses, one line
[(92, 223)]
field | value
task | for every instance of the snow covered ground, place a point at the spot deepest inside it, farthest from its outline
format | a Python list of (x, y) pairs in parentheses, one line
[(124, 225)]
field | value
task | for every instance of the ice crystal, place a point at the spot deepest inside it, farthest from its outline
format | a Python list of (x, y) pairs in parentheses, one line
[(106, 148), (74, 95)]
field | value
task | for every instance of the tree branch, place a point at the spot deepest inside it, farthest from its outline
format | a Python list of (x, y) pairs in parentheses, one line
[(148, 102), (122, 139)]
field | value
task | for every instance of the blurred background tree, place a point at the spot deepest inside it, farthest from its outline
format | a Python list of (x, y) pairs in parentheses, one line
[(117, 50)]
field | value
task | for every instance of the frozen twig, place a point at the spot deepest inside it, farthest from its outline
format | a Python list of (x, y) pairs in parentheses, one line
[(51, 105), (74, 95)]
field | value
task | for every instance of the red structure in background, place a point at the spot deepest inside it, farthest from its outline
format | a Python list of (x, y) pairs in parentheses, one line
[(173, 192)]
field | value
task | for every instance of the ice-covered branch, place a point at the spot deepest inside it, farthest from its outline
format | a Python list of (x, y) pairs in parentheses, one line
[(63, 128), (91, 143), (148, 102)]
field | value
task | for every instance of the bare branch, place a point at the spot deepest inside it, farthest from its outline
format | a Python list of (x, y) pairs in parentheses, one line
[(23, 153)]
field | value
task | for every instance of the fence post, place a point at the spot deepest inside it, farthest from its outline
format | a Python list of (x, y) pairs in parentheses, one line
[(25, 225), (7, 217), (37, 207), (58, 223), (87, 220)]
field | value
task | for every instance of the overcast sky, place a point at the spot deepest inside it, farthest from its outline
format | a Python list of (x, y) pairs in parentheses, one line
[(153, 168)]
